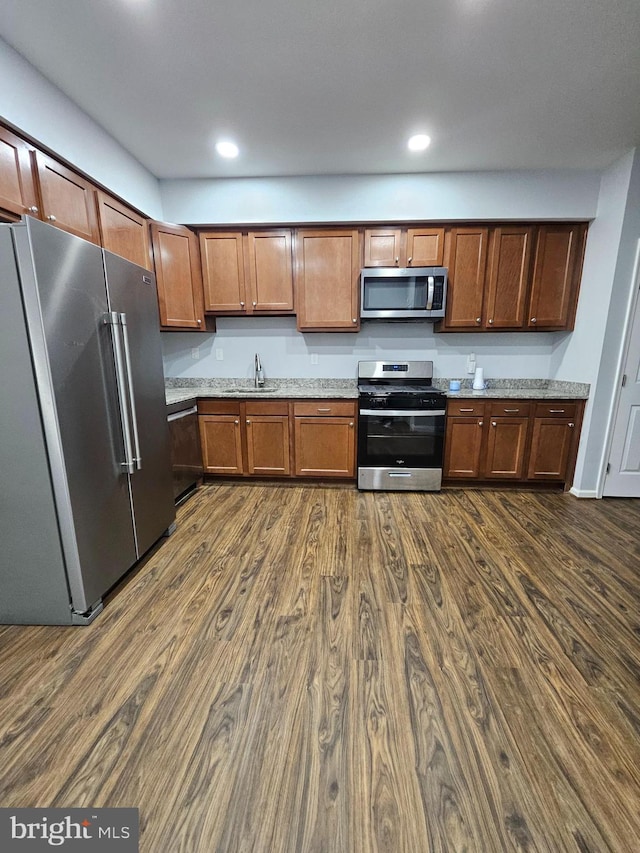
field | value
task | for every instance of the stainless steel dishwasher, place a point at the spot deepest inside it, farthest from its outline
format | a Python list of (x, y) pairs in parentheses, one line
[(186, 454)]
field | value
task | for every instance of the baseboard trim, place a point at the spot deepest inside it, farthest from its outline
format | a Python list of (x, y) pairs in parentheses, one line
[(583, 493)]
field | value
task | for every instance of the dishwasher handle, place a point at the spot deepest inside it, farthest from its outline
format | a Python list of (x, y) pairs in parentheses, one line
[(182, 414)]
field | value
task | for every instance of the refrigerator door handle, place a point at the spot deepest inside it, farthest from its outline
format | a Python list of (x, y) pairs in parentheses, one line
[(132, 397), (112, 319)]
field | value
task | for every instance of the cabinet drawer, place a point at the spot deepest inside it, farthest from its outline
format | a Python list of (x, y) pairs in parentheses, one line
[(557, 409), (325, 408), (267, 407), (465, 408), (509, 409), (218, 407)]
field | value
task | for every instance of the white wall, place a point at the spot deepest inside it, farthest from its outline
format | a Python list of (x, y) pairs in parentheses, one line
[(384, 198), (34, 105), (287, 353)]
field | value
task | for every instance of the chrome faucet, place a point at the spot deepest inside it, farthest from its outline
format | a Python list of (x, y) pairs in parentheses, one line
[(258, 373)]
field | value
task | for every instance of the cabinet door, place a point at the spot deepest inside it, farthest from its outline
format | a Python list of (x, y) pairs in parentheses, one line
[(17, 186), (268, 445), (221, 442), (327, 272), (223, 271), (270, 270), (68, 200), (551, 442), (177, 263), (425, 247), (467, 260), (509, 278), (506, 443), (123, 231), (463, 444), (383, 248), (556, 273), (324, 447)]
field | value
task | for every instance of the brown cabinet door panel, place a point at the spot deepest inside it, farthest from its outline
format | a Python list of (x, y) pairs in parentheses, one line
[(506, 442), (17, 185), (221, 441), (463, 444), (68, 200), (466, 262), (509, 277), (270, 270), (223, 271), (324, 447), (327, 273), (555, 276), (177, 264), (383, 248), (123, 231), (550, 448), (268, 445), (425, 247)]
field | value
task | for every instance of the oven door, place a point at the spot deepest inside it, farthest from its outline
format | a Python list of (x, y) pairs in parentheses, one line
[(400, 449)]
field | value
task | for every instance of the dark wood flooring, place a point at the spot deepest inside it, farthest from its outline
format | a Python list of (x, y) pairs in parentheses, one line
[(316, 669)]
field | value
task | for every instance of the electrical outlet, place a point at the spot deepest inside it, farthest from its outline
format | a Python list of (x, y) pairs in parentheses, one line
[(195, 353), (314, 358), (219, 354)]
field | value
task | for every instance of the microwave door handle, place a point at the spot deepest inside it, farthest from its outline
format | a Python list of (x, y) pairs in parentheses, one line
[(430, 291)]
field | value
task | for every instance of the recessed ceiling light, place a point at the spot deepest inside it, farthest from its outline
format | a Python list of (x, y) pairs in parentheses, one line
[(419, 142), (227, 149)]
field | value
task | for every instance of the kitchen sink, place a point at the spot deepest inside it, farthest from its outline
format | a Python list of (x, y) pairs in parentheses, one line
[(249, 390)]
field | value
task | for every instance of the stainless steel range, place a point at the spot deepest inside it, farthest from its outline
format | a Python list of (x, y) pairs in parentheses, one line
[(401, 425)]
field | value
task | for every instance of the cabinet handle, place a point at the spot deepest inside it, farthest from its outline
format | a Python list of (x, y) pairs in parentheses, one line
[(491, 322), (556, 411), (493, 423), (51, 217), (236, 423), (409, 261), (323, 410), (199, 322), (571, 425), (351, 425), (534, 319), (32, 209), (478, 319), (466, 410), (480, 423), (511, 411), (397, 261), (353, 320), (248, 422), (254, 304)]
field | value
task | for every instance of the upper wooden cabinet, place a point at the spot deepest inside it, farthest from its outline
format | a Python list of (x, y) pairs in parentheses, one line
[(123, 231), (508, 277), (247, 272), (556, 276), (466, 259), (177, 264), (17, 185), (68, 200), (403, 247), (327, 272)]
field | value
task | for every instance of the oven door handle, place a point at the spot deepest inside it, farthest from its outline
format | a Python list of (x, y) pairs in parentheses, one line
[(402, 413)]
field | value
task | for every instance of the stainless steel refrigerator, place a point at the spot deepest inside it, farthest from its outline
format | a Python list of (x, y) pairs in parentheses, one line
[(84, 442)]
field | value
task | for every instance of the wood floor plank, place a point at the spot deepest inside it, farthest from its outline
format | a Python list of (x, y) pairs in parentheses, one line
[(304, 669)]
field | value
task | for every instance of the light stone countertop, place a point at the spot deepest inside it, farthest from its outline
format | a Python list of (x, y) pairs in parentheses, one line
[(183, 390)]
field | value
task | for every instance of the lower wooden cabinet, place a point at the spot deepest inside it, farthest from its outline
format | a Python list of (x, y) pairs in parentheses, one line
[(269, 438), (325, 440), (511, 440)]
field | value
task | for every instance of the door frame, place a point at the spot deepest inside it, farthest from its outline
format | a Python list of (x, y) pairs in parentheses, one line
[(633, 306)]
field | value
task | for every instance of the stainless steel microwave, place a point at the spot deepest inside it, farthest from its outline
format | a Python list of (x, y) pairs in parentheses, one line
[(411, 293)]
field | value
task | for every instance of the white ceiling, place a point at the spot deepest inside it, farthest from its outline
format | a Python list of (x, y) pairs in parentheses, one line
[(337, 86)]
